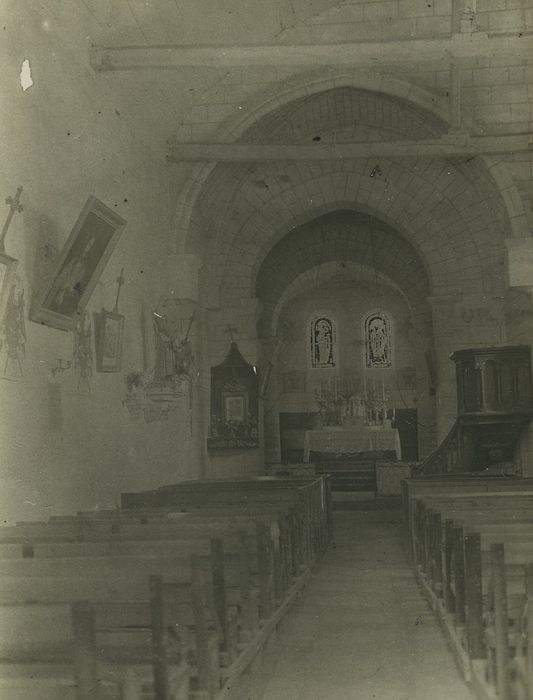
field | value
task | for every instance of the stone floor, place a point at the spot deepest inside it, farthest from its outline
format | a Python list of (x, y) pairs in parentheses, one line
[(362, 630)]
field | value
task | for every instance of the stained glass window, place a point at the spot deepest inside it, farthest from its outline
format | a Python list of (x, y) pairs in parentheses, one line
[(322, 342), (378, 340)]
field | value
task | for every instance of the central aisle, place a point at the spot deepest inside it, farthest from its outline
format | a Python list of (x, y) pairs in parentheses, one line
[(363, 629)]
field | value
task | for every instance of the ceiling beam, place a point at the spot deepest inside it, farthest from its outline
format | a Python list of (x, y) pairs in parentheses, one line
[(368, 54), (456, 145)]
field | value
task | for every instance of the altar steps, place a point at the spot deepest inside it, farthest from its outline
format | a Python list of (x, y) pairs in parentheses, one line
[(348, 475)]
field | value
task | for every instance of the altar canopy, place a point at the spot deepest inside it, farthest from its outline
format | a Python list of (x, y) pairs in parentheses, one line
[(352, 439)]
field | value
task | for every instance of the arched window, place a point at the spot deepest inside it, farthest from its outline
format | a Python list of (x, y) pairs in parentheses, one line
[(377, 329), (322, 342)]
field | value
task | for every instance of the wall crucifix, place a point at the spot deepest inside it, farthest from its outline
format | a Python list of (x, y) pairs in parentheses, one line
[(15, 207), (120, 282)]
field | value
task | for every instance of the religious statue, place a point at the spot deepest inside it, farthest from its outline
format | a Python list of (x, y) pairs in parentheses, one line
[(173, 357)]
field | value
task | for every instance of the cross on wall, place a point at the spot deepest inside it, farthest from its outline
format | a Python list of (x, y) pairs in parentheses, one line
[(15, 207)]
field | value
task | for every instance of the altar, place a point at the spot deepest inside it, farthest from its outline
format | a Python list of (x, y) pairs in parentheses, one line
[(352, 439)]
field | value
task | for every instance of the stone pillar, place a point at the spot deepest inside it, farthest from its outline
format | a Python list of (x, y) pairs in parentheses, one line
[(182, 276), (424, 359), (519, 263), (446, 340), (183, 299), (519, 272), (271, 402)]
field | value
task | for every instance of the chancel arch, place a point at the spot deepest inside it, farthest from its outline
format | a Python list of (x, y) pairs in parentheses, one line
[(259, 122), (450, 211), (345, 262)]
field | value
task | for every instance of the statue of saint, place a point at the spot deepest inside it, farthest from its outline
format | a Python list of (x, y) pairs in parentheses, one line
[(165, 354), (173, 357)]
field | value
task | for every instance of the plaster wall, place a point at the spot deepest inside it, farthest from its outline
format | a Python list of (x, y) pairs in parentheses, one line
[(75, 133), (66, 447)]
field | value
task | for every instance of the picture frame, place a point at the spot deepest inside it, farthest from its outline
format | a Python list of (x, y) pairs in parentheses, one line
[(109, 335), (235, 406), (81, 263), (8, 266)]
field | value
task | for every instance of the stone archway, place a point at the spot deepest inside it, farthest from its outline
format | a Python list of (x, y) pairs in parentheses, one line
[(450, 211), (313, 83), (343, 249)]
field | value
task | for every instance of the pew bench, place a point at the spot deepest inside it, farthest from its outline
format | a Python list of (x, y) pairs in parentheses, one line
[(120, 586), (66, 652), (457, 542), (226, 569)]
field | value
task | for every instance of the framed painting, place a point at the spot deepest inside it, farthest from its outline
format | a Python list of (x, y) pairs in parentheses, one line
[(8, 267), (109, 333), (81, 263), (235, 406)]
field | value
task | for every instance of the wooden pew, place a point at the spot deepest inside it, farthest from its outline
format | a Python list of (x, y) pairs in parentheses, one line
[(510, 636), (309, 497), (253, 560), (448, 551), (413, 496), (88, 526), (118, 586), (31, 537), (457, 538), (504, 507), (456, 486), (65, 652), (194, 537), (98, 554)]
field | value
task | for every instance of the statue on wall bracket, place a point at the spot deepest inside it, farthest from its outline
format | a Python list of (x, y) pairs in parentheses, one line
[(173, 355), (234, 404), (159, 389)]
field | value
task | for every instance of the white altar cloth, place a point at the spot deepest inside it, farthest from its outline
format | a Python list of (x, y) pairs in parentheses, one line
[(352, 439)]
